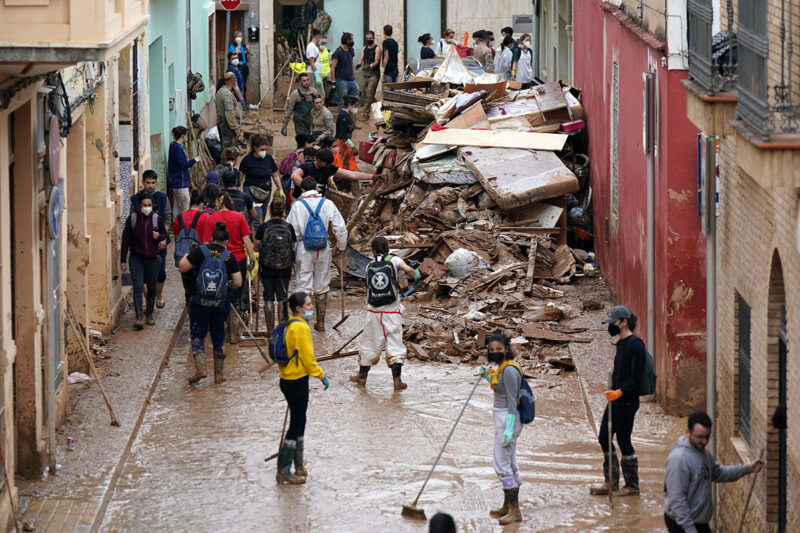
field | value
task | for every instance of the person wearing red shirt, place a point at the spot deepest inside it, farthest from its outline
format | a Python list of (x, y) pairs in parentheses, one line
[(241, 246), (189, 278)]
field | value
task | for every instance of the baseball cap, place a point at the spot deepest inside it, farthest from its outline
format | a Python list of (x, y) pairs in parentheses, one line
[(212, 177), (617, 312)]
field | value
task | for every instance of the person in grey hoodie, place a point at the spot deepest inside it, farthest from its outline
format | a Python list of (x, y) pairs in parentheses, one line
[(688, 475)]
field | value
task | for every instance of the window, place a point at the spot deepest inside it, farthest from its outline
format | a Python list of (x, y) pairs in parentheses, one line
[(743, 385), (753, 49), (699, 27)]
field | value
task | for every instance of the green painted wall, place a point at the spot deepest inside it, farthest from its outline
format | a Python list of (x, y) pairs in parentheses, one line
[(168, 25)]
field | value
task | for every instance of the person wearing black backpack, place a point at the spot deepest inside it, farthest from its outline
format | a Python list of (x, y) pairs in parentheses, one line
[(275, 242), (242, 202), (383, 325), (623, 399), (216, 270), (506, 383)]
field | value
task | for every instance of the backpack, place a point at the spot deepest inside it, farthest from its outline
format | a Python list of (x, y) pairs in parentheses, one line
[(526, 405), (237, 198), (287, 163), (212, 279), (135, 217), (188, 239), (381, 282), (315, 236), (647, 384), (277, 344), (276, 251)]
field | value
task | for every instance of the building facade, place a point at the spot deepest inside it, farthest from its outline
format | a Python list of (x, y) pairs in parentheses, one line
[(640, 137), (748, 101), (69, 111)]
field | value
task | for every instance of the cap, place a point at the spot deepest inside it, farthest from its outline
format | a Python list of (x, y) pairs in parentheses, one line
[(617, 312), (308, 184), (212, 177)]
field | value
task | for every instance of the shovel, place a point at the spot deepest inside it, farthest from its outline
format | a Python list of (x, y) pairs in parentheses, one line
[(412, 511), (341, 279)]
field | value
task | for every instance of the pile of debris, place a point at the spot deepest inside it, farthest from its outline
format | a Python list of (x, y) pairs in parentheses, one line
[(478, 192)]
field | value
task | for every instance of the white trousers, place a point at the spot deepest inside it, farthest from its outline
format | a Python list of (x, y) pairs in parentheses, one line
[(505, 459), (182, 201), (312, 270), (382, 330)]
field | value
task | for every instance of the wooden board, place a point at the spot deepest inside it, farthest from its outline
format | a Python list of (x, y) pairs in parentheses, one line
[(515, 178), (472, 117), (495, 90), (497, 139), (547, 214), (532, 331)]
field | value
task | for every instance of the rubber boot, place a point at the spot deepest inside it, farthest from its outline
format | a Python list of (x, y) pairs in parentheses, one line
[(160, 303), (150, 304), (199, 365), (283, 311), (285, 457), (598, 490), (269, 317), (501, 512), (137, 307), (397, 370), (299, 466), (321, 301), (219, 369), (513, 514), (233, 329), (630, 471), (361, 377)]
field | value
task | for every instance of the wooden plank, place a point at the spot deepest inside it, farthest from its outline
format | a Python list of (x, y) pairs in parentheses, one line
[(472, 117), (497, 139), (532, 331), (531, 264)]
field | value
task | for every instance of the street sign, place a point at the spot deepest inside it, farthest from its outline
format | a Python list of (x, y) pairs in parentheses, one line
[(229, 5)]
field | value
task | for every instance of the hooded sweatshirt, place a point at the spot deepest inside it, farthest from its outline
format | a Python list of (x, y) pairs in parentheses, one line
[(687, 483), (139, 240)]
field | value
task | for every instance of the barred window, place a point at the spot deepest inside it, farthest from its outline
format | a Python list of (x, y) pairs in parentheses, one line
[(743, 387)]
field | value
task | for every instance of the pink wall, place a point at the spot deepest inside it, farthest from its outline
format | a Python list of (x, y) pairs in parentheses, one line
[(604, 35)]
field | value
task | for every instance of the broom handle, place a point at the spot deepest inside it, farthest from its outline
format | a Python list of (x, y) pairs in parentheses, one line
[(477, 382), (749, 495), (610, 459)]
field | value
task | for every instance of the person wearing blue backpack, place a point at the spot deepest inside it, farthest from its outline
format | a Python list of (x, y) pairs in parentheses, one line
[(216, 271), (506, 382), (311, 215), (296, 362), (623, 398)]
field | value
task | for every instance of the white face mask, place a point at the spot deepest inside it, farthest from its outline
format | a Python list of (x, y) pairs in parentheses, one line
[(354, 111), (146, 211), (262, 154), (527, 44), (234, 62), (238, 40)]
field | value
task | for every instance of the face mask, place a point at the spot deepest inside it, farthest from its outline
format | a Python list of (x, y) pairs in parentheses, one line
[(324, 46), (234, 62), (354, 111), (262, 154), (496, 357), (238, 40), (146, 211), (369, 42), (613, 330), (308, 314), (351, 43), (527, 44)]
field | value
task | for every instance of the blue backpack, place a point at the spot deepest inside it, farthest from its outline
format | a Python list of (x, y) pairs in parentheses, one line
[(315, 236), (277, 344), (527, 401), (188, 239), (212, 279)]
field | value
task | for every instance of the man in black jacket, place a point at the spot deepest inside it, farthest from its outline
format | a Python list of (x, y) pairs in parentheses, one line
[(623, 399)]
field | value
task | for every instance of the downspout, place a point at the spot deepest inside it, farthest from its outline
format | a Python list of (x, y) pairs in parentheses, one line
[(536, 36), (649, 149)]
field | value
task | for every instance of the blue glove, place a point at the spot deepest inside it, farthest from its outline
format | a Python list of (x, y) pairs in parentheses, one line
[(327, 384), (318, 77), (417, 274), (244, 104), (483, 372), (508, 434)]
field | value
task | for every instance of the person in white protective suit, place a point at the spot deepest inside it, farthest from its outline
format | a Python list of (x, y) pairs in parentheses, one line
[(313, 266), (383, 324)]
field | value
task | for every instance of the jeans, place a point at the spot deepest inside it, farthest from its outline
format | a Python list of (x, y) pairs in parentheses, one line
[(344, 87), (144, 271), (260, 205), (276, 284), (208, 320), (621, 425), (674, 527), (390, 78), (296, 393)]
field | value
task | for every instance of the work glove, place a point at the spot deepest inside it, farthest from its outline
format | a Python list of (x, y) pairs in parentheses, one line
[(417, 274), (508, 434), (513, 74), (350, 143), (485, 372), (613, 395), (375, 176), (244, 104), (251, 274), (281, 194), (284, 131), (318, 77), (326, 383)]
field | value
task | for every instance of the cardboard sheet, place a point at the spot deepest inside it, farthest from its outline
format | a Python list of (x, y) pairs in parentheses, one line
[(496, 139), (515, 178)]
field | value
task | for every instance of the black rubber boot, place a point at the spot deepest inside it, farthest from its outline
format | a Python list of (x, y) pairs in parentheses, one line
[(285, 458), (603, 489), (630, 471), (299, 465), (397, 370), (361, 377), (137, 307), (513, 515)]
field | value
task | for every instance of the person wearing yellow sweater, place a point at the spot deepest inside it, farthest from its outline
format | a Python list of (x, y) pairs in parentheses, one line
[(294, 386)]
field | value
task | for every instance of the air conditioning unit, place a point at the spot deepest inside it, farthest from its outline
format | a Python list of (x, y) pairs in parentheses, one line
[(522, 23)]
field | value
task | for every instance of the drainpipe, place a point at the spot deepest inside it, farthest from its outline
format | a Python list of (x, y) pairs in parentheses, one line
[(535, 29), (649, 80)]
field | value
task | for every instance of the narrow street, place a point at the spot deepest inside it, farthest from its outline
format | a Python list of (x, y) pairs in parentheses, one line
[(197, 460)]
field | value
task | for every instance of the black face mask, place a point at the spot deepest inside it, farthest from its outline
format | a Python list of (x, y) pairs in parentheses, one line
[(496, 357), (369, 42), (613, 330), (351, 43)]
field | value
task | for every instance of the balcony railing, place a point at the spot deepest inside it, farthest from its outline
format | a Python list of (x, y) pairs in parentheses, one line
[(712, 59)]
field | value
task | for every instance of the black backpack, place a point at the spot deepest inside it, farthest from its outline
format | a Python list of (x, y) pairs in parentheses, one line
[(277, 250), (381, 282), (239, 205)]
